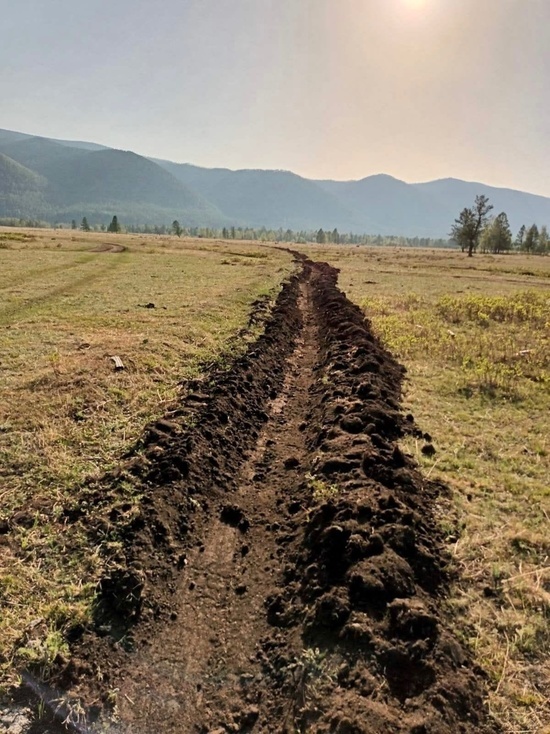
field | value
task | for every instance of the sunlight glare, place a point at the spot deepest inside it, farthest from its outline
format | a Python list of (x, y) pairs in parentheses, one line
[(415, 4)]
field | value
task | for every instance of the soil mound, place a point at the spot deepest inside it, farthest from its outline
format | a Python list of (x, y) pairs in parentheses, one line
[(365, 580)]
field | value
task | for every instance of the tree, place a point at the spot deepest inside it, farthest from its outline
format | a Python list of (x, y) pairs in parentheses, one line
[(335, 236), (321, 237), (543, 245), (176, 228), (531, 241), (225, 234), (114, 226), (467, 229), (520, 237), (463, 230), (73, 224), (84, 226), (497, 235)]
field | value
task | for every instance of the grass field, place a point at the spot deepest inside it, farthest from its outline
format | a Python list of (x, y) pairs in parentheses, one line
[(67, 305), (474, 335)]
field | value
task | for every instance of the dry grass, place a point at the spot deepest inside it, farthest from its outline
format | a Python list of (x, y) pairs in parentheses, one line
[(475, 337), (65, 414), (474, 334)]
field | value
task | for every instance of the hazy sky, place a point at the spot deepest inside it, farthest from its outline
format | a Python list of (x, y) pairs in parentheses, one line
[(419, 89)]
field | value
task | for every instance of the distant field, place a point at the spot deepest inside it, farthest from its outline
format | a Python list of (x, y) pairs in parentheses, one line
[(474, 335), (67, 304)]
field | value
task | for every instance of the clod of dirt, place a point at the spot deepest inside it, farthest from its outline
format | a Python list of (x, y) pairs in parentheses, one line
[(352, 424), (119, 597)]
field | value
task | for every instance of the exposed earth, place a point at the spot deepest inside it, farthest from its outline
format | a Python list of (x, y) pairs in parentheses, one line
[(284, 570)]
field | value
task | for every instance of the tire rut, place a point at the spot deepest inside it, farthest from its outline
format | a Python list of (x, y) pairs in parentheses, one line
[(195, 676)]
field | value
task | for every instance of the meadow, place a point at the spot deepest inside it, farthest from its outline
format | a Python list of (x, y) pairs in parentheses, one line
[(474, 334)]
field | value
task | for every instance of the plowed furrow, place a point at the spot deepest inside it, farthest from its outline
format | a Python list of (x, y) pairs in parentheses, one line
[(287, 571)]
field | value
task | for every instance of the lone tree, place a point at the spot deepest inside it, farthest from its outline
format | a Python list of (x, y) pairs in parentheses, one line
[(321, 237), (114, 226), (468, 227), (84, 226), (176, 228)]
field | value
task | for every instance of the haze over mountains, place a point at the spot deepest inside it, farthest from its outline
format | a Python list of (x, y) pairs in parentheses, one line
[(58, 180)]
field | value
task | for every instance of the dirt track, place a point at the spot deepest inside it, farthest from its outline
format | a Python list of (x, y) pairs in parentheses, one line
[(285, 572), (109, 247)]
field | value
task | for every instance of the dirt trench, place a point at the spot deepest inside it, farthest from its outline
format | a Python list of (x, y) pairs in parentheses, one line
[(286, 572)]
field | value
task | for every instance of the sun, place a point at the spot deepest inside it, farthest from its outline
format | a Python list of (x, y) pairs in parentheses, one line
[(415, 4)]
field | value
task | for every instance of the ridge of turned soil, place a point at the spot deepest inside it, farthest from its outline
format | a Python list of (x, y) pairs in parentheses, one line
[(284, 571)]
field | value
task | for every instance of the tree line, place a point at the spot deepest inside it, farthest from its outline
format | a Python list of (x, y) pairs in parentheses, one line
[(475, 229), (114, 225), (263, 234)]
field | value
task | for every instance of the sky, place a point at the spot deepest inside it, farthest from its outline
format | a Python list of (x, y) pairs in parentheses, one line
[(341, 89)]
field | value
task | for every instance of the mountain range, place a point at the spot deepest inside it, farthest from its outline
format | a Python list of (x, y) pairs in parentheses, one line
[(60, 180)]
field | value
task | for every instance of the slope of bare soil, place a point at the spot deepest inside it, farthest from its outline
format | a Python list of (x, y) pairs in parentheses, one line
[(283, 570)]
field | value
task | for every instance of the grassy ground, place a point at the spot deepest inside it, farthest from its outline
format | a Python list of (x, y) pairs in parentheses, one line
[(475, 337), (65, 414), (474, 334)]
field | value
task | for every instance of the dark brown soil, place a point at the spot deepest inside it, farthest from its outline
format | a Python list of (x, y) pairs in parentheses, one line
[(284, 571)]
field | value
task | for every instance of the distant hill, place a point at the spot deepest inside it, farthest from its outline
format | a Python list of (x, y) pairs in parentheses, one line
[(9, 136), (96, 182), (39, 154), (22, 192), (267, 198), (61, 180), (386, 204), (126, 183), (451, 195), (197, 178)]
